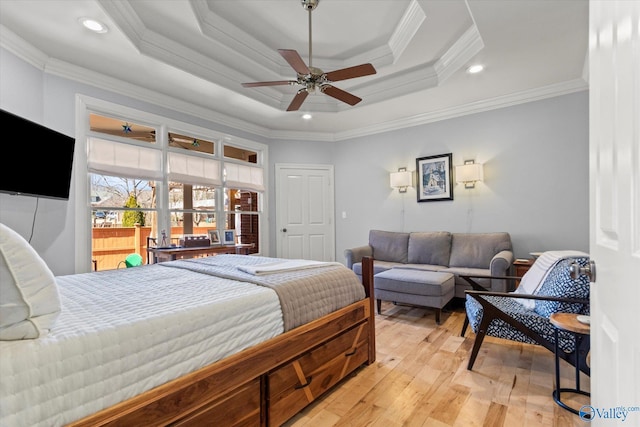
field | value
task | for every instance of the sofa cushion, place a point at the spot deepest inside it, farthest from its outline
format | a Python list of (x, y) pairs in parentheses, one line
[(423, 267), (475, 250), (389, 245), (432, 248)]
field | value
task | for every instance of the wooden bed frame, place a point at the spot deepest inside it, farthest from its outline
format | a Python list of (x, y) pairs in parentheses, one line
[(264, 385)]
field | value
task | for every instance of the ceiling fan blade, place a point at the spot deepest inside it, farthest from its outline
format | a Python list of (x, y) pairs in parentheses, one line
[(273, 83), (295, 60), (350, 72), (298, 100), (340, 94)]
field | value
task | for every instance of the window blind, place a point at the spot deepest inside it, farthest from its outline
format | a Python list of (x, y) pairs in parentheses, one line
[(126, 160), (244, 177), (193, 170)]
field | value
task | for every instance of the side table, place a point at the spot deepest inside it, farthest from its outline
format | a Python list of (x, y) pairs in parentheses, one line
[(568, 322), (522, 265)]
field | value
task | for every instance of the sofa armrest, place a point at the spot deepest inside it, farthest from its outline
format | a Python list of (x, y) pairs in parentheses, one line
[(499, 266), (500, 263), (355, 255)]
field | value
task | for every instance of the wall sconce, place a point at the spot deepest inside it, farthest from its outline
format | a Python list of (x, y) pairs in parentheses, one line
[(469, 173), (401, 180)]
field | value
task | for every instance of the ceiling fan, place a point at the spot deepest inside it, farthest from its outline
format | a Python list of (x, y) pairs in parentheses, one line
[(312, 78)]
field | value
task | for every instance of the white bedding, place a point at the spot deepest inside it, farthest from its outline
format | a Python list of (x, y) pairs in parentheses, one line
[(283, 266), (102, 351)]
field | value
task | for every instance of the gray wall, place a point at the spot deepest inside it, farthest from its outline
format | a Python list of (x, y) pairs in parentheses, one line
[(535, 156), (46, 223)]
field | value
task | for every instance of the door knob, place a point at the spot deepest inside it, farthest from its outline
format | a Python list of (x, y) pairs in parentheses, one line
[(588, 270), (284, 230)]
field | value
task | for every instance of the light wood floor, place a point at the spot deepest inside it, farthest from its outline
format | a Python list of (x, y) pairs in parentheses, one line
[(420, 378)]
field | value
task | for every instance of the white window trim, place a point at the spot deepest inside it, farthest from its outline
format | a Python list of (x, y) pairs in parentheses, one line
[(86, 105)]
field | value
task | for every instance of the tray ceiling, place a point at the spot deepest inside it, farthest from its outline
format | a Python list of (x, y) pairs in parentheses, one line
[(193, 55)]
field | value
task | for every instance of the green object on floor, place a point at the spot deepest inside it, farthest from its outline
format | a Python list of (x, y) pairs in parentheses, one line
[(133, 260)]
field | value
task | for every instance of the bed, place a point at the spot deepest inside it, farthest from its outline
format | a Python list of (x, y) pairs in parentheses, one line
[(224, 340)]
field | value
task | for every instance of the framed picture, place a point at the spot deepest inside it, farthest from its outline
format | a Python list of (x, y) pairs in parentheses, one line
[(214, 237), (229, 237), (434, 178)]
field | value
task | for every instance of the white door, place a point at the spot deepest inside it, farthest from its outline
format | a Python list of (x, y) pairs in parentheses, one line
[(614, 169), (305, 225)]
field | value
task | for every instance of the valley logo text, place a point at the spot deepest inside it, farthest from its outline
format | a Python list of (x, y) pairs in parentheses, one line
[(588, 412)]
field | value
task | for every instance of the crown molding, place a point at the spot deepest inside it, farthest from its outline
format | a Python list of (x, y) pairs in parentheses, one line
[(19, 47), (35, 57), (551, 91)]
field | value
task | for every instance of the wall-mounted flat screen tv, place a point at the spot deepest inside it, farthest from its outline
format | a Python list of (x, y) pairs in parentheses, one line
[(37, 161)]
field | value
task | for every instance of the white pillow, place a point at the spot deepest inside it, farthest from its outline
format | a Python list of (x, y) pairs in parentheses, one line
[(29, 300), (534, 277)]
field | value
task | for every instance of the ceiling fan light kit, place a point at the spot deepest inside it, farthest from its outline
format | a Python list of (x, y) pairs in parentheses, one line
[(309, 4), (311, 78)]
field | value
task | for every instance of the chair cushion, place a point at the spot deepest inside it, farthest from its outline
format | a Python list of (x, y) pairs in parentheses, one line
[(559, 283), (500, 329), (29, 300), (389, 245)]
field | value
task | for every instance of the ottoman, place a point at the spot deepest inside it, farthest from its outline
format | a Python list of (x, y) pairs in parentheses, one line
[(418, 287)]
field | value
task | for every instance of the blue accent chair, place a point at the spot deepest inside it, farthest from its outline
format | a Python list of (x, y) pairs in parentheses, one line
[(524, 317)]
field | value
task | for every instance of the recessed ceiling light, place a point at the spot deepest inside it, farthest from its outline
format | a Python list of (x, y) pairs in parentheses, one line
[(306, 116), (93, 25), (475, 69)]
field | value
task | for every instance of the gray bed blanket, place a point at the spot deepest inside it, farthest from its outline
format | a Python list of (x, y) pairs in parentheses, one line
[(305, 294)]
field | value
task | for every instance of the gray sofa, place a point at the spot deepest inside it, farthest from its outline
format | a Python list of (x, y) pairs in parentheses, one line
[(488, 254)]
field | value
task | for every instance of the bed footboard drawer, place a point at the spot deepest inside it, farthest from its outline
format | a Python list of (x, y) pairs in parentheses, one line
[(296, 384), (238, 409)]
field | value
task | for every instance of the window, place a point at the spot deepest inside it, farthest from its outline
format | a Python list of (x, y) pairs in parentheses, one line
[(147, 175), (192, 207), (244, 184), (194, 181), (121, 129), (191, 143), (121, 202)]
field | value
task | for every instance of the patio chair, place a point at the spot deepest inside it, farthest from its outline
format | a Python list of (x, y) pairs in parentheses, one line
[(523, 315)]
